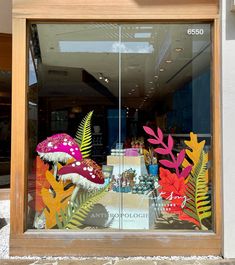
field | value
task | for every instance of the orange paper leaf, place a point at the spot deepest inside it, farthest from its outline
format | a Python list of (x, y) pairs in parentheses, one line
[(55, 200)]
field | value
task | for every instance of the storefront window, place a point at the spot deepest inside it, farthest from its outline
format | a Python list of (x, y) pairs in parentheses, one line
[(120, 127)]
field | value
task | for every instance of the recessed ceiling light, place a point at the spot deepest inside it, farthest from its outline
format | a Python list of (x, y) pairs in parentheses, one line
[(152, 88), (168, 61), (156, 76), (150, 82), (129, 93), (178, 49), (133, 90), (161, 69), (106, 80)]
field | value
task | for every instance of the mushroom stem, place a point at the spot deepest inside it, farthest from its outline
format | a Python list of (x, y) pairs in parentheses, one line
[(55, 170), (74, 194)]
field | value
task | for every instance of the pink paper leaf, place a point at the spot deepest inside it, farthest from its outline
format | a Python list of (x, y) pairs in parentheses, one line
[(162, 151), (180, 157), (149, 131), (153, 141), (160, 134), (185, 172), (167, 163), (170, 142)]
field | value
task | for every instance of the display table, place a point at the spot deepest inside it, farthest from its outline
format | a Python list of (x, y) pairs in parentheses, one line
[(129, 211), (123, 163)]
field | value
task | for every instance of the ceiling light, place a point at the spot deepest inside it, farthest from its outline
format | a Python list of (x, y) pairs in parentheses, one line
[(168, 61), (178, 49), (129, 93), (101, 76), (150, 82), (76, 109), (133, 90), (161, 69), (156, 76), (106, 80), (152, 88)]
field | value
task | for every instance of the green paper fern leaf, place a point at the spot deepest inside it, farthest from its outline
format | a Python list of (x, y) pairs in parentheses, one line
[(198, 205), (83, 135), (75, 214), (84, 209)]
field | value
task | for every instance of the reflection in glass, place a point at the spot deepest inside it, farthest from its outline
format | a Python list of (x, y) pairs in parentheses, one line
[(5, 128), (119, 124)]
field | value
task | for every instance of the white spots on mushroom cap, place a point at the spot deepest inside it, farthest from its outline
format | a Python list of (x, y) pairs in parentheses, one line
[(55, 147), (65, 143), (76, 149), (93, 176), (90, 169), (65, 140), (73, 165), (70, 143), (78, 163), (50, 144), (71, 149), (73, 153), (84, 168)]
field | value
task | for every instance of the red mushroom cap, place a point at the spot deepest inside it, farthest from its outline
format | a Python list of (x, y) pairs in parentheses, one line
[(89, 173), (59, 147)]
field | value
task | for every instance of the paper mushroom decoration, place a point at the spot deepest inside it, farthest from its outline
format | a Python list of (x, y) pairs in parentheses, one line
[(59, 148), (85, 174)]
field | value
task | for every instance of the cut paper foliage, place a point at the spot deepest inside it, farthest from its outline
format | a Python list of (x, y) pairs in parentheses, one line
[(194, 152), (172, 189), (35, 187), (166, 149), (56, 198), (86, 204), (83, 135), (170, 184), (198, 205)]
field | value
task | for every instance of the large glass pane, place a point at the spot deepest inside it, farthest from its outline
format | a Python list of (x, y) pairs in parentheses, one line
[(166, 88), (73, 125), (120, 127)]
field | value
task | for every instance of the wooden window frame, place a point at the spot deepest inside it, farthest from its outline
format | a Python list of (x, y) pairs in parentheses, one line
[(124, 243)]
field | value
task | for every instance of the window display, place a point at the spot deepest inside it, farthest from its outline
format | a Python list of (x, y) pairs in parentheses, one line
[(123, 118)]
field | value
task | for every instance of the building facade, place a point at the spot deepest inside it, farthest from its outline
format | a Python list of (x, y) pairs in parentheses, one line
[(121, 128)]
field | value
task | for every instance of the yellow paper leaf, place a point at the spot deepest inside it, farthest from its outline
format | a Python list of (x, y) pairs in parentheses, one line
[(194, 152)]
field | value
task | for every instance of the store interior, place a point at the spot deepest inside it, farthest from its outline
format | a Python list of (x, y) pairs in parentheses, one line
[(125, 76)]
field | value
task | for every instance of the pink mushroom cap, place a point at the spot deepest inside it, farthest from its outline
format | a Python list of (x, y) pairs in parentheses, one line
[(59, 147), (85, 173)]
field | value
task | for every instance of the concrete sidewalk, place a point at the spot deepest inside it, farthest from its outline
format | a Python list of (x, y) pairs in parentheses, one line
[(116, 261)]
